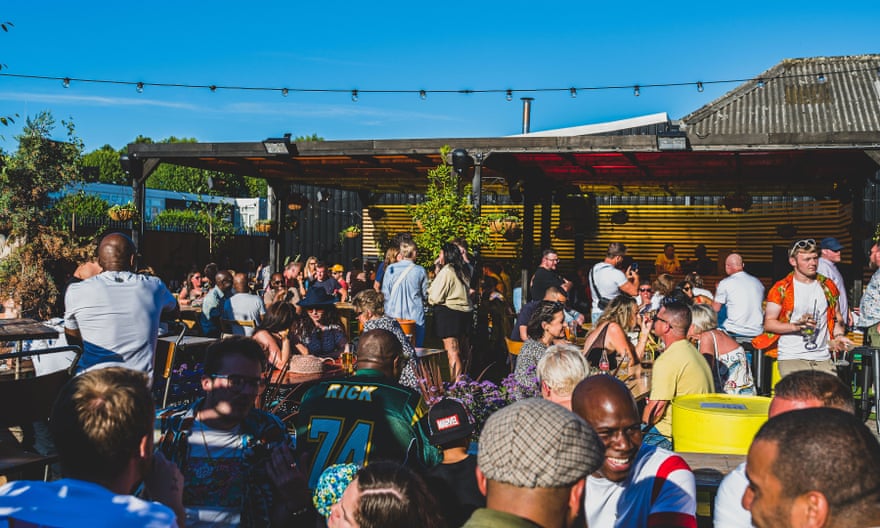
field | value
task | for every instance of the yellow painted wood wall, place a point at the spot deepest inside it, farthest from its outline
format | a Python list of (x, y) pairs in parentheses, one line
[(752, 234)]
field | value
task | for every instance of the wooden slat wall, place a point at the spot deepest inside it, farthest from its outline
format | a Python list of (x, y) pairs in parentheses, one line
[(752, 234)]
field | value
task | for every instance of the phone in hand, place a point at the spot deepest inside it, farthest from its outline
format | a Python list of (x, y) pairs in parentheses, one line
[(634, 266)]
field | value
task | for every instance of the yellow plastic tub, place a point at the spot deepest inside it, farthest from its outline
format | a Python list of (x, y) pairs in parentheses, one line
[(717, 423)]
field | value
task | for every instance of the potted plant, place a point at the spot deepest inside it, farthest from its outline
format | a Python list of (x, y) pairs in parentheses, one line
[(501, 223), (123, 212), (263, 226), (352, 231)]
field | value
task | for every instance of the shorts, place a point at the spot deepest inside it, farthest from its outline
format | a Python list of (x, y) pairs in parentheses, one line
[(451, 323)]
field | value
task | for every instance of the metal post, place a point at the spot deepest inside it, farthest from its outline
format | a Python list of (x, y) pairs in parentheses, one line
[(476, 184), (527, 114)]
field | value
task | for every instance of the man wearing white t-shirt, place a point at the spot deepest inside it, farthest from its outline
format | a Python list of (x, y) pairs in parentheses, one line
[(115, 314), (607, 281), (638, 485), (743, 296), (802, 310)]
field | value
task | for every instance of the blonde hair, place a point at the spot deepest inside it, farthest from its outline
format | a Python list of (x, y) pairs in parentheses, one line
[(562, 367), (703, 318)]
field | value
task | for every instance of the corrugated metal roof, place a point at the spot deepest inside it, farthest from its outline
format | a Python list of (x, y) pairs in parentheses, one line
[(817, 95)]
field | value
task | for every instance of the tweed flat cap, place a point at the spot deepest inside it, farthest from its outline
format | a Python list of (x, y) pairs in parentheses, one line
[(534, 443)]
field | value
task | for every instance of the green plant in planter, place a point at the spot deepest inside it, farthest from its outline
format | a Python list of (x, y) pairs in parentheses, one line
[(352, 231), (122, 212), (263, 226), (502, 222), (446, 214)]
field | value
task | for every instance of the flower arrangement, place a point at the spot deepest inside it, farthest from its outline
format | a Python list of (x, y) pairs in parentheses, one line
[(123, 212)]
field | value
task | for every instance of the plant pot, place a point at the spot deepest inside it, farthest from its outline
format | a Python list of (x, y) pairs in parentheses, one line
[(121, 216), (509, 224), (263, 228), (496, 226), (352, 234)]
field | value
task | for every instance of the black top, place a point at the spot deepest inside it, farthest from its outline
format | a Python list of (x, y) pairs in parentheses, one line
[(455, 488), (542, 280)]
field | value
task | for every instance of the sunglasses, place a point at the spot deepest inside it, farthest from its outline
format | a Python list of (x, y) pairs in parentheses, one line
[(658, 318), (238, 383), (645, 290), (276, 282)]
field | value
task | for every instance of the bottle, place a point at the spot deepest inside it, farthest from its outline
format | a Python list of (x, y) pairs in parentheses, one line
[(604, 366)]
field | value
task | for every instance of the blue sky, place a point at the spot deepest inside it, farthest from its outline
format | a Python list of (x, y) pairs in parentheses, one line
[(396, 46)]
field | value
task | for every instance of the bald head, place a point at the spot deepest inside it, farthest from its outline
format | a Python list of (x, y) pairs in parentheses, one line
[(602, 394), (223, 280), (733, 264), (116, 252), (379, 349), (240, 283)]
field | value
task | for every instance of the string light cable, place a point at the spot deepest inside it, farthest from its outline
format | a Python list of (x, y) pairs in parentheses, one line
[(423, 93)]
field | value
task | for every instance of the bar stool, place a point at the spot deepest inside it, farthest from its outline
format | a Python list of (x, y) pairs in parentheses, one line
[(870, 376)]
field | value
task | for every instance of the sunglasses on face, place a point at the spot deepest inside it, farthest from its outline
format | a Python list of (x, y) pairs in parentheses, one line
[(238, 383), (649, 290)]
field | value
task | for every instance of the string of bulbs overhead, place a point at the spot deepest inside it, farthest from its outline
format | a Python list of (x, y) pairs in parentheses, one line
[(423, 93)]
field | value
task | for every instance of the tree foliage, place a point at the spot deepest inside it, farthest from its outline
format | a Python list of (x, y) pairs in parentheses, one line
[(446, 214), (212, 221), (78, 205), (29, 274)]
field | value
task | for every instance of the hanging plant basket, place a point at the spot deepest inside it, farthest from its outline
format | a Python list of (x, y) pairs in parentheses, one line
[(496, 226), (352, 234), (263, 227), (513, 234), (121, 215)]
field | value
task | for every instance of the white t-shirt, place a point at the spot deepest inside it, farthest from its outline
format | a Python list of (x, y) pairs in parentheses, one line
[(76, 503), (743, 295), (608, 280), (244, 307), (729, 512), (808, 298), (632, 502), (117, 314), (213, 477), (829, 269)]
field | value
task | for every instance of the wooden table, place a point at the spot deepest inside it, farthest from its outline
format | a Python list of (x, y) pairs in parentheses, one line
[(709, 470), (20, 330), (640, 386)]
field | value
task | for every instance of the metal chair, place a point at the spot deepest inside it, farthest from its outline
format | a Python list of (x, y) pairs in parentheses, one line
[(870, 375), (228, 326), (28, 400), (513, 348)]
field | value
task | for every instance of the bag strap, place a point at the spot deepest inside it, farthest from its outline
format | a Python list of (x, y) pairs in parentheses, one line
[(596, 288), (400, 279)]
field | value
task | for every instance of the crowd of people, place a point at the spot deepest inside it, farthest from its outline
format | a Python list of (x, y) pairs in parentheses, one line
[(366, 449)]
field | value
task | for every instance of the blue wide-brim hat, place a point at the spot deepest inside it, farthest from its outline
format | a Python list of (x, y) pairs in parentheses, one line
[(317, 297)]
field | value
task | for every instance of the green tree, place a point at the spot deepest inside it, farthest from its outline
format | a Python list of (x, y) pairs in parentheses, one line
[(40, 251), (446, 214), (102, 166)]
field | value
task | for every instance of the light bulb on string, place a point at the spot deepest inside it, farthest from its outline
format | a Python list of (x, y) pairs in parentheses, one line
[(140, 87), (423, 95), (820, 78), (573, 92), (699, 86), (354, 96), (66, 82), (509, 95), (636, 91), (213, 88), (760, 83), (284, 92)]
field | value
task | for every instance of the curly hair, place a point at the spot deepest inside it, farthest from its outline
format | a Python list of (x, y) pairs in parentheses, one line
[(544, 313)]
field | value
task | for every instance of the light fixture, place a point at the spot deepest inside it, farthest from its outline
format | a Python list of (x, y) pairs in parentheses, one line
[(66, 82), (461, 161), (423, 95), (354, 96), (737, 203), (284, 92), (760, 83), (323, 196), (573, 92), (213, 88), (277, 146), (509, 95), (699, 86), (636, 91), (820, 77), (140, 87), (672, 140)]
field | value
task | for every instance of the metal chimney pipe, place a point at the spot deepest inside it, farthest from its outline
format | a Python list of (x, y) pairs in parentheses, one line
[(527, 113)]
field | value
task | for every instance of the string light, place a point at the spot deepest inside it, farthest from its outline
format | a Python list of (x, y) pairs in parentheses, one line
[(636, 91), (422, 93), (284, 92), (140, 87), (354, 96)]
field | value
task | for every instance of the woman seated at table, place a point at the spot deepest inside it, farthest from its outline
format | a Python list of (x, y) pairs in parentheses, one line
[(545, 328), (609, 335), (191, 290), (720, 349), (369, 305), (273, 334), (319, 331)]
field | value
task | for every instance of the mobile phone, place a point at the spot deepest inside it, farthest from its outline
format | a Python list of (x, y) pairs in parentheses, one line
[(634, 266)]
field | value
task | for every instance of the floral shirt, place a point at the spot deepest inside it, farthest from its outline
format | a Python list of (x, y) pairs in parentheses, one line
[(407, 375), (531, 352), (328, 342), (869, 309), (259, 429)]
